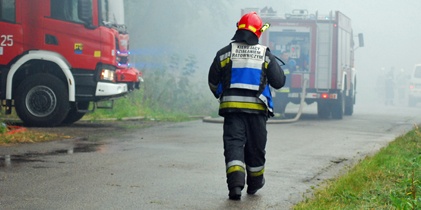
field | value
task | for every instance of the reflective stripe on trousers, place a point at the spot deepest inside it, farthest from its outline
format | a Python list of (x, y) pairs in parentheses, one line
[(255, 171), (235, 165)]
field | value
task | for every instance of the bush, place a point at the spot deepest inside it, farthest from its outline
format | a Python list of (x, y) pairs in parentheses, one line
[(173, 91), (3, 127)]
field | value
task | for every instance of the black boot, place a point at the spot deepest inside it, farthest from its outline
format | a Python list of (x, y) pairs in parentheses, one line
[(235, 193), (252, 189)]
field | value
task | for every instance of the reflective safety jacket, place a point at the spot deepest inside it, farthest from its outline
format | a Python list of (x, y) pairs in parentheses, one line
[(240, 76)]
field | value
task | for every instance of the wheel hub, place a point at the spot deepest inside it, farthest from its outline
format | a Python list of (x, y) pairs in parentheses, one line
[(41, 101)]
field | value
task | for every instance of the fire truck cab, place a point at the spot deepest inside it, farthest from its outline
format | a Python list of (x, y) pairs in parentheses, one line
[(57, 56)]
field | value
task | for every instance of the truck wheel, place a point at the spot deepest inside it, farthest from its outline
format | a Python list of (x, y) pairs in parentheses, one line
[(323, 110), (349, 106), (42, 100), (73, 114), (338, 107), (349, 103)]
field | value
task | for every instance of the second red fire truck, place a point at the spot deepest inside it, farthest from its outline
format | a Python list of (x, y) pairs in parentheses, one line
[(318, 52)]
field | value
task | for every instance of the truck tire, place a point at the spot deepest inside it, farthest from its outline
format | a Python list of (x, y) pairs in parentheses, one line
[(323, 109), (349, 102), (338, 107), (42, 100), (349, 106), (73, 114)]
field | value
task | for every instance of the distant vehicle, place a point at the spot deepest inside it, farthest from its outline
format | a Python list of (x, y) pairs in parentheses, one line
[(321, 51), (58, 56), (414, 95)]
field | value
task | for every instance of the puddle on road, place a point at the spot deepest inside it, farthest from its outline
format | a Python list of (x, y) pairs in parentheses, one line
[(34, 157), (80, 149)]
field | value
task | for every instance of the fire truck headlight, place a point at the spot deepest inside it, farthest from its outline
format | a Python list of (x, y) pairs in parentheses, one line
[(107, 75)]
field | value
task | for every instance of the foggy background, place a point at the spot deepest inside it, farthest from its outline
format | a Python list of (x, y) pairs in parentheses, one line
[(198, 28)]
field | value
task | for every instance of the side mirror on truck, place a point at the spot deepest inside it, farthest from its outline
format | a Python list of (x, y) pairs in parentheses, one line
[(360, 40)]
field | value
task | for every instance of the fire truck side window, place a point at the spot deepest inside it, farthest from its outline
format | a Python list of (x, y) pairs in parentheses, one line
[(65, 10), (7, 10)]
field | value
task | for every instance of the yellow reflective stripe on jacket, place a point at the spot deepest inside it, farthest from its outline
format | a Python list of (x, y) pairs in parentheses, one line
[(225, 62), (267, 61), (283, 90), (242, 105), (225, 59), (241, 99)]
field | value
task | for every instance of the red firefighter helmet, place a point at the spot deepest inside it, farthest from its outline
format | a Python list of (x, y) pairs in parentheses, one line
[(252, 22)]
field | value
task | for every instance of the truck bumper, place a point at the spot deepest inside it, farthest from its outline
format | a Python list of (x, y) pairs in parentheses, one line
[(313, 95), (128, 75), (110, 89), (131, 76)]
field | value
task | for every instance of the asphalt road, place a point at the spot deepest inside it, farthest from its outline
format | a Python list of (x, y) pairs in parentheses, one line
[(181, 165)]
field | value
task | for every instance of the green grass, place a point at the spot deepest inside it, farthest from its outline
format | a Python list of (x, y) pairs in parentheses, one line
[(391, 179), (132, 106)]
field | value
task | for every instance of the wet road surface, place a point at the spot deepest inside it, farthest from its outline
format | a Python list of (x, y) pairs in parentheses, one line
[(181, 165)]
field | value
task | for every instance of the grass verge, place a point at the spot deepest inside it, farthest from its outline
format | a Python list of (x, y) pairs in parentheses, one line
[(391, 179)]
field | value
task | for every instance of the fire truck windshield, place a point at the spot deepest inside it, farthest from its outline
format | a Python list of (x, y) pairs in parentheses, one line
[(112, 13)]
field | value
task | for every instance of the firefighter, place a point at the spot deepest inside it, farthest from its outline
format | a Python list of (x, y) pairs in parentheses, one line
[(239, 77), (290, 63)]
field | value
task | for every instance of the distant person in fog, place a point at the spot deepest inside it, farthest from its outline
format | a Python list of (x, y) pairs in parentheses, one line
[(389, 87), (290, 63)]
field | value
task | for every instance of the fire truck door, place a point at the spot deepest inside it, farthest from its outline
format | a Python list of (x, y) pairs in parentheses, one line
[(11, 35)]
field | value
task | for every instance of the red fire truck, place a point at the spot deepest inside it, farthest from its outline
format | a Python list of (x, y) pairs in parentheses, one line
[(58, 56), (318, 52)]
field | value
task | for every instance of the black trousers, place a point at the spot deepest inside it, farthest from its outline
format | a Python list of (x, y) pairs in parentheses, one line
[(245, 138)]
